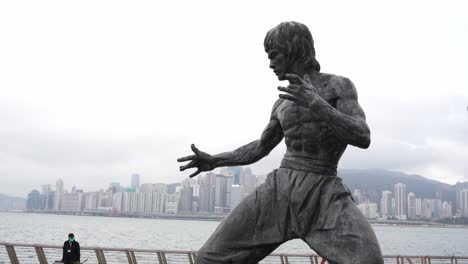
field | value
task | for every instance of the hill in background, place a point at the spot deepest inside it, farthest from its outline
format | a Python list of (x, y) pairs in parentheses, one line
[(372, 182)]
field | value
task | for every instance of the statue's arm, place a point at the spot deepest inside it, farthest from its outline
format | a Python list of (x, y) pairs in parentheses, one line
[(247, 154), (347, 121), (255, 150)]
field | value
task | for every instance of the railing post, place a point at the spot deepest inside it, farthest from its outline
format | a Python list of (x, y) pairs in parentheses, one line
[(429, 259), (100, 256), (398, 259), (40, 255), (190, 258), (12, 254), (162, 258), (131, 257), (159, 258)]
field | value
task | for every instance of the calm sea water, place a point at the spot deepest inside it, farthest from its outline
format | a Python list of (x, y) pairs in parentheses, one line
[(190, 235)]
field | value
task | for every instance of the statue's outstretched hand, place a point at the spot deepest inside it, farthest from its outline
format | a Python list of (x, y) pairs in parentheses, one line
[(201, 160)]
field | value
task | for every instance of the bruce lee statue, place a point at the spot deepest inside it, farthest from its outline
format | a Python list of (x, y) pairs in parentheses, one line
[(318, 115)]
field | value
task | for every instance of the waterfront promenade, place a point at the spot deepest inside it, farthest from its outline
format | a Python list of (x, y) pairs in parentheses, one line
[(22, 253)]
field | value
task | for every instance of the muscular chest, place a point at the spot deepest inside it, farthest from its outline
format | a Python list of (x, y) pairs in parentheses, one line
[(292, 115)]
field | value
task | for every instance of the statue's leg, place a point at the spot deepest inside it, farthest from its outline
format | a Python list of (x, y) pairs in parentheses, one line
[(250, 232), (350, 240)]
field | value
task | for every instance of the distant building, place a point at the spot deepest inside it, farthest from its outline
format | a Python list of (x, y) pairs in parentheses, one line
[(447, 209), (223, 194), (172, 188), (34, 200), (207, 193), (386, 204), (90, 201), (158, 203), (419, 207), (133, 202), (58, 194), (135, 182), (369, 210), (129, 202), (401, 202), (428, 208), (186, 197), (47, 202), (142, 200), (117, 201), (172, 203), (463, 201), (104, 199), (233, 172), (247, 182), (160, 187), (72, 201), (46, 188), (411, 205), (146, 187), (115, 187), (438, 210)]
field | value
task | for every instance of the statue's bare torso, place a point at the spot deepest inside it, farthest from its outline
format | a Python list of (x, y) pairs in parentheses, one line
[(304, 135)]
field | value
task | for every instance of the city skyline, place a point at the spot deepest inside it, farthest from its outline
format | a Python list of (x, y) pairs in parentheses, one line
[(218, 194), (109, 96)]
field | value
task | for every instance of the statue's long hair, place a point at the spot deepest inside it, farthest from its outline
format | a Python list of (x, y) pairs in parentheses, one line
[(294, 40)]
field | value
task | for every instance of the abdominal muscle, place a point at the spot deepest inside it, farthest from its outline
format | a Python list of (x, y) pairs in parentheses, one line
[(308, 138)]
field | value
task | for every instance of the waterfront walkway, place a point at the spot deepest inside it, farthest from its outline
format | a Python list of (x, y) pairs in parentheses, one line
[(17, 253)]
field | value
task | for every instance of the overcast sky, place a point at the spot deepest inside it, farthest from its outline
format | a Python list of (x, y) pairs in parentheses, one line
[(93, 91)]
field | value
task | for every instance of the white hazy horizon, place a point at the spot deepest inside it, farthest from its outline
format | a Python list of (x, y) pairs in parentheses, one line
[(93, 91)]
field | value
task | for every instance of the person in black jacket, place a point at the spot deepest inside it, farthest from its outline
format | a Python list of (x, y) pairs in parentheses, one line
[(71, 250)]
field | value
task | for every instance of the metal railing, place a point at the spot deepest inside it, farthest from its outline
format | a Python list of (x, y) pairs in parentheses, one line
[(16, 253)]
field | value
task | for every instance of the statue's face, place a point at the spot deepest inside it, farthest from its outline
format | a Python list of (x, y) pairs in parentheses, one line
[(279, 63)]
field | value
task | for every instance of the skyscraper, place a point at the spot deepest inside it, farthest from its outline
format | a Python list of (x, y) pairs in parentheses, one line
[(223, 194), (401, 202), (34, 201), (460, 186), (419, 207), (135, 183), (447, 209), (233, 172), (247, 182), (48, 194), (464, 202), (411, 205), (369, 210), (386, 204), (58, 194)]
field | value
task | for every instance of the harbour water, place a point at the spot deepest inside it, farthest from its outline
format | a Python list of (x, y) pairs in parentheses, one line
[(191, 234)]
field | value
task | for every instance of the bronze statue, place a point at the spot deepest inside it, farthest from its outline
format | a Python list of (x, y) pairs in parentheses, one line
[(318, 115)]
